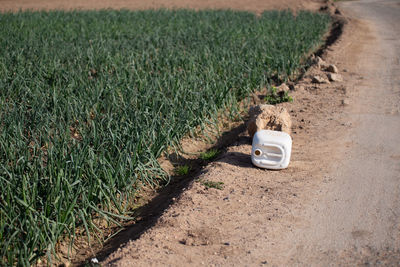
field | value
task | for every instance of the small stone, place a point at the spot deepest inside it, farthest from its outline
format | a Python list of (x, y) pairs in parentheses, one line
[(335, 77), (345, 102), (332, 68), (320, 62), (319, 79)]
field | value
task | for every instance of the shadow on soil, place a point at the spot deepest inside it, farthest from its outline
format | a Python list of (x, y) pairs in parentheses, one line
[(151, 212)]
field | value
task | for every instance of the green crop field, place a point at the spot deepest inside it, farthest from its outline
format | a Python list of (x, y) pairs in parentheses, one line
[(89, 100)]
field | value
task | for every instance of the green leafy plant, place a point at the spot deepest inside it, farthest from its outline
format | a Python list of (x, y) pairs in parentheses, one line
[(273, 97), (210, 154), (182, 170), (212, 184)]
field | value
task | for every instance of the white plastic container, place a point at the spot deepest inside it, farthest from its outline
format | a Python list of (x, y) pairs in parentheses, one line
[(271, 149)]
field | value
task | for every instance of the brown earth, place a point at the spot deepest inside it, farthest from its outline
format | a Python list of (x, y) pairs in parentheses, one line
[(261, 217)]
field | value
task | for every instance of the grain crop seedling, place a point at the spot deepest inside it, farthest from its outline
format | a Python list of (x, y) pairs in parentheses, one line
[(89, 100), (210, 154), (182, 170), (211, 184)]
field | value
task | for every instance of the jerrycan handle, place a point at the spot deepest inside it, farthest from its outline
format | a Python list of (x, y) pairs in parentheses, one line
[(281, 155)]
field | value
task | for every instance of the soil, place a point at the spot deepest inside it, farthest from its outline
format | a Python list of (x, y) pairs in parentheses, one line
[(336, 204)]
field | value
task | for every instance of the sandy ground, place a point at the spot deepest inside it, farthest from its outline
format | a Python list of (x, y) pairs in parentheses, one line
[(336, 204), (354, 220)]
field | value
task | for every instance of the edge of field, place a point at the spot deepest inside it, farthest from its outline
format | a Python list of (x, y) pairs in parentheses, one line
[(152, 203)]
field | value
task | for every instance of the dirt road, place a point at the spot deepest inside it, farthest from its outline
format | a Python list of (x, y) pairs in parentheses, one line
[(339, 201), (357, 215)]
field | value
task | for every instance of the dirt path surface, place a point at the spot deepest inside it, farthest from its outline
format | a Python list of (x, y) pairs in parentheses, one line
[(338, 202), (355, 219)]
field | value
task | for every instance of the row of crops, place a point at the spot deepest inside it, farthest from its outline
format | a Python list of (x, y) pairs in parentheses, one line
[(89, 100)]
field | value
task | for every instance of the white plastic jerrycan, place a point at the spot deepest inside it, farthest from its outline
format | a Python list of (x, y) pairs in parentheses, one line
[(271, 149)]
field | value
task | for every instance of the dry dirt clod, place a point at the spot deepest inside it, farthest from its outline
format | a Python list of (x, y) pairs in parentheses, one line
[(332, 68), (319, 79), (335, 77), (283, 88), (268, 117), (320, 62)]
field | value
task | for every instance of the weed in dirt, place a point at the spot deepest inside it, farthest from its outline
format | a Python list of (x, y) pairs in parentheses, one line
[(211, 184), (210, 154), (273, 97), (182, 170), (89, 101)]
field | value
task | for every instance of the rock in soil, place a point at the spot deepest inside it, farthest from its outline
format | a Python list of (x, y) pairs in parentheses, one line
[(345, 102), (335, 77), (268, 117), (319, 79), (332, 68), (320, 62)]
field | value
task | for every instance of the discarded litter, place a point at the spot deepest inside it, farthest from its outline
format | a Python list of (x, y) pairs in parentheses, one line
[(271, 149)]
